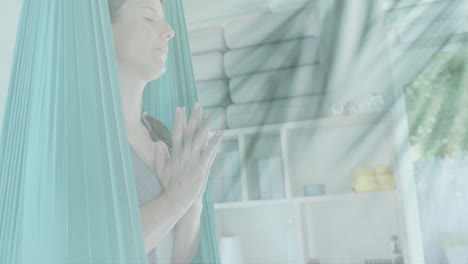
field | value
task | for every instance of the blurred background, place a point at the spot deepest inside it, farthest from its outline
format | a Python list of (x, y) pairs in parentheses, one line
[(344, 126)]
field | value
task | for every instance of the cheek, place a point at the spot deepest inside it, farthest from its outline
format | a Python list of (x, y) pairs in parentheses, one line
[(133, 42)]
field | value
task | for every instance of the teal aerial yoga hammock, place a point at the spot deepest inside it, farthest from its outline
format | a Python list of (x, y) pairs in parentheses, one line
[(178, 84), (67, 191)]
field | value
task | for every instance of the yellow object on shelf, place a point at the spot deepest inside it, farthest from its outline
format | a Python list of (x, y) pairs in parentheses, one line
[(385, 181), (364, 180), (383, 170), (384, 177)]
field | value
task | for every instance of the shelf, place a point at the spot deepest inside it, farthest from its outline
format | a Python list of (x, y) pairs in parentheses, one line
[(303, 200), (292, 155), (267, 235), (264, 166), (336, 231), (225, 174), (336, 147), (327, 121)]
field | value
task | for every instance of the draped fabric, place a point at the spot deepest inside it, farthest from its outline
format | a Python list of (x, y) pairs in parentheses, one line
[(67, 191), (177, 88)]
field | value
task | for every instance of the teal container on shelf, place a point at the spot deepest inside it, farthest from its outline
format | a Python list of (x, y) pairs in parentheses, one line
[(314, 189)]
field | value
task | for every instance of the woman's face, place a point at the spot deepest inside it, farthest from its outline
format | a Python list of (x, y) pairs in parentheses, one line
[(141, 37)]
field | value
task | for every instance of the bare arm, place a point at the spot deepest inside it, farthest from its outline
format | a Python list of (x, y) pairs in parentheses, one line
[(187, 234), (184, 172), (158, 217)]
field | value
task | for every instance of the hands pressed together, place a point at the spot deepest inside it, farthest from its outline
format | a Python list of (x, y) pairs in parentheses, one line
[(184, 172)]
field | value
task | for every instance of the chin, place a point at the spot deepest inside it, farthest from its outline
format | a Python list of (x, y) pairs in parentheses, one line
[(156, 73), (159, 73)]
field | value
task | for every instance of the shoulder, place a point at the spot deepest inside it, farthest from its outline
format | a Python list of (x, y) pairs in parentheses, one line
[(158, 129)]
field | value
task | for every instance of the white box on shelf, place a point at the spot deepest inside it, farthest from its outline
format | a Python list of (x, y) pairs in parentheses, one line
[(270, 178), (231, 250), (226, 177), (217, 187), (232, 190)]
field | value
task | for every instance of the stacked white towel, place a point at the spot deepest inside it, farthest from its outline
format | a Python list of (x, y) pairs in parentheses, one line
[(271, 57), (208, 66), (293, 82), (272, 64), (265, 28), (426, 13), (218, 117), (207, 47), (213, 93), (207, 40), (277, 111)]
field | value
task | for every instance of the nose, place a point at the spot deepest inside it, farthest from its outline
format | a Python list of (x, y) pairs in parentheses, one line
[(167, 33)]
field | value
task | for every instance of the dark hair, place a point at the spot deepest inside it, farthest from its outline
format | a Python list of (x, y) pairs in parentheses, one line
[(114, 7)]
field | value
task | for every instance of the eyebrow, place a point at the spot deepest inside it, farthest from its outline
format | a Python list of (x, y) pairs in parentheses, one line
[(152, 9)]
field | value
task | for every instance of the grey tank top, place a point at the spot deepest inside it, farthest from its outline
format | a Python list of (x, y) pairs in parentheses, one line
[(149, 188)]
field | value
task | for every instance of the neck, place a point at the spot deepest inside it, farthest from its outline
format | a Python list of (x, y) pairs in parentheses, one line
[(131, 90)]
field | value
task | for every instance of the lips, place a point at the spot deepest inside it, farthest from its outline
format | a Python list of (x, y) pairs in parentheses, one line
[(161, 54), (163, 50)]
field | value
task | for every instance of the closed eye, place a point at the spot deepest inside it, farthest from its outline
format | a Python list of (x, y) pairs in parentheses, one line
[(149, 19)]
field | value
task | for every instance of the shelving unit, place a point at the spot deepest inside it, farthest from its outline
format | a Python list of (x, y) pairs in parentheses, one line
[(302, 153), (281, 225), (302, 200)]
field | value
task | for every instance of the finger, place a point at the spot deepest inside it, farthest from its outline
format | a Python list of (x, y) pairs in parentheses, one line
[(191, 129), (214, 152), (198, 116), (165, 151), (205, 181), (208, 175), (177, 133), (201, 135), (165, 156), (184, 119), (208, 153), (158, 160), (207, 132), (184, 132)]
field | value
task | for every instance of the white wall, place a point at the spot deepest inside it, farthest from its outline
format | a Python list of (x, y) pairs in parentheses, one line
[(205, 13), (9, 16)]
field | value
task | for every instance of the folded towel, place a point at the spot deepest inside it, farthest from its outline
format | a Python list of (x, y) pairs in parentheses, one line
[(271, 57), (277, 111), (263, 28), (206, 40), (388, 4), (442, 30), (293, 82), (213, 93), (218, 117), (208, 66), (427, 13)]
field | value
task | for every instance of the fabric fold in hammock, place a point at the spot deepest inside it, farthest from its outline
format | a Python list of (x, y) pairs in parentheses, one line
[(67, 190), (68, 193), (177, 87)]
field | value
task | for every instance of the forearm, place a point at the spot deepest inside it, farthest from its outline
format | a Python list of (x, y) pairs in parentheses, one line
[(158, 217), (187, 235)]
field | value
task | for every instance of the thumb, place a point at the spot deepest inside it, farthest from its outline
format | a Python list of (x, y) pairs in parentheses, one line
[(165, 151), (159, 159)]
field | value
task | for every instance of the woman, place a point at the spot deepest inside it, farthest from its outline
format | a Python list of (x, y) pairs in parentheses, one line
[(170, 184)]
